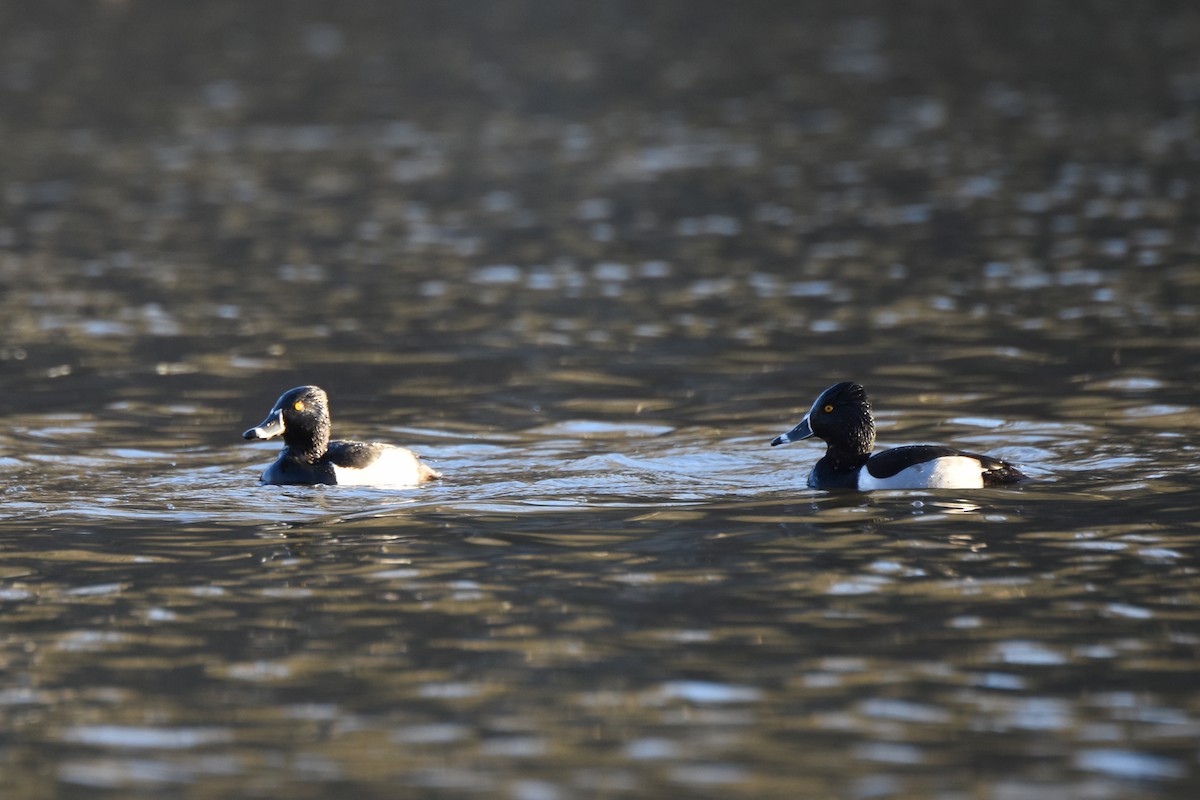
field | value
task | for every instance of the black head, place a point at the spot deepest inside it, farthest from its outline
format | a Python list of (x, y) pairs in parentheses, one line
[(302, 416), (841, 416)]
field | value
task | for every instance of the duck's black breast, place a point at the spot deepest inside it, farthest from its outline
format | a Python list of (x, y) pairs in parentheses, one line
[(291, 471), (825, 475)]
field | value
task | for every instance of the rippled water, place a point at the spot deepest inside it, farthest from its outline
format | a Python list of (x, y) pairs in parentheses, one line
[(602, 605), (589, 267)]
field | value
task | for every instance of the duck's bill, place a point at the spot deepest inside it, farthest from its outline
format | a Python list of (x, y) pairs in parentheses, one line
[(801, 431), (271, 426)]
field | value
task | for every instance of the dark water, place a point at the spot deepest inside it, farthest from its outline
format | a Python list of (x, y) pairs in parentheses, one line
[(588, 263)]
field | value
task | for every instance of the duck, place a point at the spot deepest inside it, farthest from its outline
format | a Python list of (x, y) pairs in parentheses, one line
[(841, 417), (309, 458)]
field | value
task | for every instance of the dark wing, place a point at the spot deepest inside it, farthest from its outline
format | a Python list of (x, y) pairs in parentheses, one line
[(889, 462), (354, 455)]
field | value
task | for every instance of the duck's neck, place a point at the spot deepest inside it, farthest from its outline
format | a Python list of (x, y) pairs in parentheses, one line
[(843, 459), (308, 447)]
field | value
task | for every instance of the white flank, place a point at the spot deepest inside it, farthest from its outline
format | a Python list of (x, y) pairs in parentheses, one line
[(947, 472), (396, 466)]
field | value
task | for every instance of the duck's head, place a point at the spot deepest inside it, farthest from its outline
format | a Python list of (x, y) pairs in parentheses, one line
[(301, 416), (841, 417)]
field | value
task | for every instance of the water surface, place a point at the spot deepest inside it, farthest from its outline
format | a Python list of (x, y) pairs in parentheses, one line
[(589, 267)]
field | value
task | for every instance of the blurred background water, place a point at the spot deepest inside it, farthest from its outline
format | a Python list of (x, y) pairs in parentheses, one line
[(589, 260)]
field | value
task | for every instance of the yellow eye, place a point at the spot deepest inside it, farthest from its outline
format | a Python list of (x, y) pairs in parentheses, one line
[(298, 405), (828, 408)]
